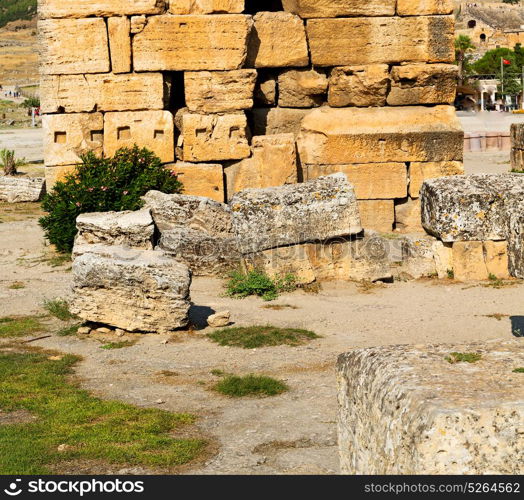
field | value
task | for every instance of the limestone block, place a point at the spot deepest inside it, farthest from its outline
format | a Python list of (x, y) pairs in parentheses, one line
[(418, 257), (517, 135), (443, 254), (215, 137), (99, 8), (18, 189), (177, 211), (206, 6), (333, 136), (73, 46), (358, 86), (184, 43), (135, 290), (302, 88), (365, 258), (278, 40), (516, 244), (68, 137), (424, 7), (413, 84), (406, 410), (468, 261), (56, 174), (201, 179), (119, 44), (127, 229), (266, 91), (496, 257), (408, 216), (273, 163), (378, 215), (339, 8), (269, 121), (356, 41), (219, 91), (316, 210), (138, 23), (107, 92), (419, 172), (150, 129), (371, 180), (517, 160), (475, 207), (204, 254)]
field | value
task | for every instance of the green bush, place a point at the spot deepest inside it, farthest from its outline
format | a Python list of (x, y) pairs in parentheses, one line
[(255, 282), (103, 185)]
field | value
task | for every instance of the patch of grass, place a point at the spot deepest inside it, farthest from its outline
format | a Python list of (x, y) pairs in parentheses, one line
[(59, 308), (279, 307), (20, 326), (118, 345), (258, 283), (218, 373), (84, 427), (59, 260), (68, 330), (252, 337), (518, 370), (250, 385), (463, 357), (16, 285), (497, 316), (451, 274)]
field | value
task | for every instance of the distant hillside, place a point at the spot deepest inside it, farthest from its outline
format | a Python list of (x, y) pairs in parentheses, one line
[(14, 10)]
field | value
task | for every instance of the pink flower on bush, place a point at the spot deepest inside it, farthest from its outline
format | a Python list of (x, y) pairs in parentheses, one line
[(78, 204), (103, 188), (125, 192)]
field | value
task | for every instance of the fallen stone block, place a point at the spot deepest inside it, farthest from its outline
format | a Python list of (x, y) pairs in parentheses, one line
[(178, 211), (407, 410), (316, 210), (126, 229), (339, 136), (204, 254), (516, 244), (474, 207), (18, 189), (135, 290)]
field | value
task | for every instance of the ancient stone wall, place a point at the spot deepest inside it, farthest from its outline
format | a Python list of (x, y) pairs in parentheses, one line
[(234, 94)]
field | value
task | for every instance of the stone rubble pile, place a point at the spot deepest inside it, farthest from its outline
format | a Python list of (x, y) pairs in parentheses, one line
[(231, 96)]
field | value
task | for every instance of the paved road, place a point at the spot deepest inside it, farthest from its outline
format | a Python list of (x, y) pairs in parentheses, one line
[(488, 121), (27, 143)]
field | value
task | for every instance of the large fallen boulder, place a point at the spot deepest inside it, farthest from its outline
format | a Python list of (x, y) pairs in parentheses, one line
[(317, 210), (474, 207), (417, 410), (135, 290), (131, 229), (196, 231), (17, 189)]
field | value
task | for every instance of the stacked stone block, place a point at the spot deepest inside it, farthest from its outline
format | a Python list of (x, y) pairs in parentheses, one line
[(235, 94), (517, 147)]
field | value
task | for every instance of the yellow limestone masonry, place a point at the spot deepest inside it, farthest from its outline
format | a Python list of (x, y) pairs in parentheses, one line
[(235, 94)]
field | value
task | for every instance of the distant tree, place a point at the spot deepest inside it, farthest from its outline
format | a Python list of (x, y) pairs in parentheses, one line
[(463, 45), (489, 63)]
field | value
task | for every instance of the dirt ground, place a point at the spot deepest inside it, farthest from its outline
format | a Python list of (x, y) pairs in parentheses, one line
[(288, 434)]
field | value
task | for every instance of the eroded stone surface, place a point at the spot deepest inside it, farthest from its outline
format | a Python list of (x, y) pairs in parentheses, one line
[(135, 290), (471, 208), (316, 210), (17, 189), (406, 410)]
